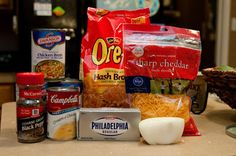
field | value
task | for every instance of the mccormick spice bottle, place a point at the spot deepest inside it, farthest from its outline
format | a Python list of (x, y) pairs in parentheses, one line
[(31, 122)]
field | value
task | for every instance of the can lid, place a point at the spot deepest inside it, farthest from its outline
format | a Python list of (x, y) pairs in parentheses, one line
[(30, 78), (231, 130), (62, 89)]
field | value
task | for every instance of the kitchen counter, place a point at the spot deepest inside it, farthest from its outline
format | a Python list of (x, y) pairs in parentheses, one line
[(211, 124)]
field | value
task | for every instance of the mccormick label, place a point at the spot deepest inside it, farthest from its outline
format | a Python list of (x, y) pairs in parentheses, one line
[(62, 105), (31, 123), (108, 124), (30, 112), (31, 94), (48, 52)]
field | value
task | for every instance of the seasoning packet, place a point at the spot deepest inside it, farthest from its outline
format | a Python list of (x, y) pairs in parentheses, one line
[(102, 56), (160, 63)]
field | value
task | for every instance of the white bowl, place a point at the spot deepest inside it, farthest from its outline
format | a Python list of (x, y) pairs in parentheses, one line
[(162, 130)]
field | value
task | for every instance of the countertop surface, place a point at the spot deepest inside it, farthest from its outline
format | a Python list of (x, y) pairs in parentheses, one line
[(211, 124)]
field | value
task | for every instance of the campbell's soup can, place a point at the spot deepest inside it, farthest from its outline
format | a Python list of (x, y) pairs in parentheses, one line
[(73, 83), (48, 52), (62, 106), (67, 83)]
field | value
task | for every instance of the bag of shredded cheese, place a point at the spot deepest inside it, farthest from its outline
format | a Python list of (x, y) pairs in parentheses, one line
[(102, 56), (160, 63)]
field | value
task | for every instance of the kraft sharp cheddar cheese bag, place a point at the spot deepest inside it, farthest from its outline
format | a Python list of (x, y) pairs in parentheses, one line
[(160, 63), (102, 56)]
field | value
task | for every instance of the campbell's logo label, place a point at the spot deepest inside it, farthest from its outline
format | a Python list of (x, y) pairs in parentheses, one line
[(109, 126), (48, 39), (62, 101)]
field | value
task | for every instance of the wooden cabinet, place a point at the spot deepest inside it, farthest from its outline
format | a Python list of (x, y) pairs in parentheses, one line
[(6, 4), (7, 88), (7, 92)]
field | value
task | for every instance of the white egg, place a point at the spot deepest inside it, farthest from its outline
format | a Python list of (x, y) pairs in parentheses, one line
[(162, 130)]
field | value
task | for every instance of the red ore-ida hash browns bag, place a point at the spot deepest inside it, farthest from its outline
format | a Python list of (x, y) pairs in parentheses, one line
[(160, 64), (102, 56)]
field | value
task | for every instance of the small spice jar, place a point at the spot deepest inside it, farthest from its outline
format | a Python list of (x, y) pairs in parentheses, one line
[(31, 122)]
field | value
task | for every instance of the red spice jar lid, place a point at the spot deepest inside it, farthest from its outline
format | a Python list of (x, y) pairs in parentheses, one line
[(32, 78)]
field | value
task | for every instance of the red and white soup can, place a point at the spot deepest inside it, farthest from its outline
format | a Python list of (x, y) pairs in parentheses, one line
[(62, 106)]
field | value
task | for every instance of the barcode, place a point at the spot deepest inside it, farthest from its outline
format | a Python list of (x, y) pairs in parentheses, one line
[(35, 112)]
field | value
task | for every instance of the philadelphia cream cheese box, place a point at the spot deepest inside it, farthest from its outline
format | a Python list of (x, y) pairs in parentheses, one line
[(108, 124)]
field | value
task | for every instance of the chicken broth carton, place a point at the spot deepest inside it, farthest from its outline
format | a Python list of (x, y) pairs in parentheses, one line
[(48, 52)]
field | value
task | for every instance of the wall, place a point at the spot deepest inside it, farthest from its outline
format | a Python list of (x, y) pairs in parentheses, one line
[(232, 36), (226, 33)]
